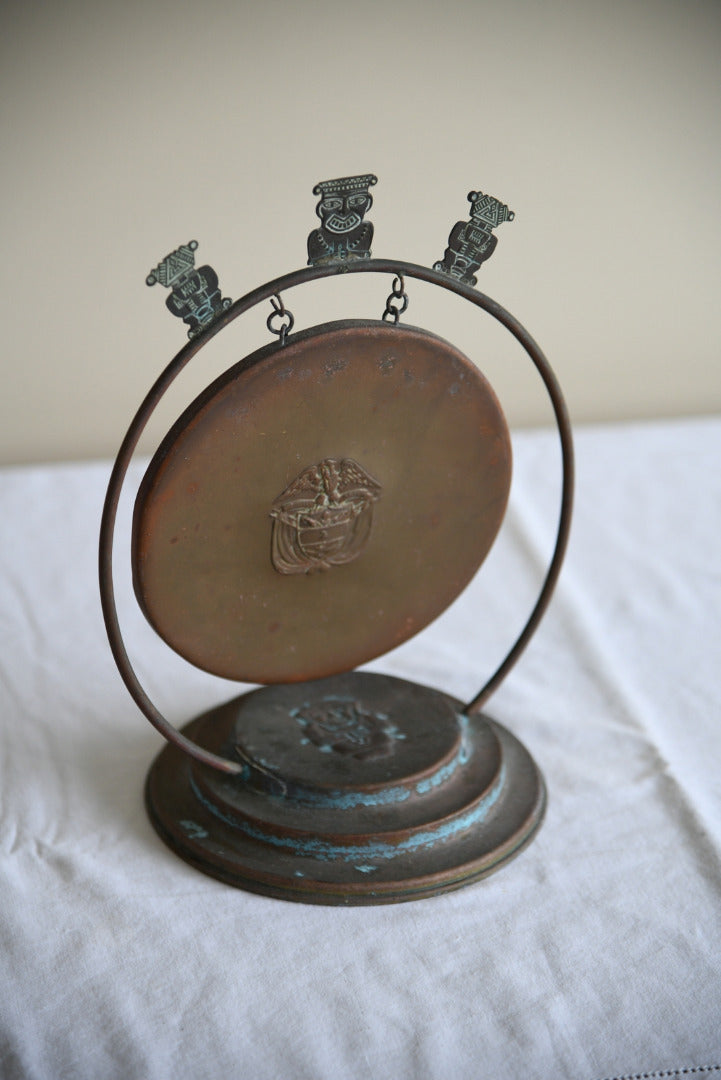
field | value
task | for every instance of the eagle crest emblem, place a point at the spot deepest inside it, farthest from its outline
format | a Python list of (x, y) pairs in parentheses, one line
[(324, 517)]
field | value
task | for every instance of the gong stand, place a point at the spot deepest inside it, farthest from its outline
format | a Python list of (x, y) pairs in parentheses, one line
[(319, 503)]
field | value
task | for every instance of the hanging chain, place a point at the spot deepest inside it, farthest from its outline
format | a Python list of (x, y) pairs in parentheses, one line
[(280, 311), (394, 311)]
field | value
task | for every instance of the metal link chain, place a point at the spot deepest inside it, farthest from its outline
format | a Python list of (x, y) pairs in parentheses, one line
[(394, 311), (280, 311)]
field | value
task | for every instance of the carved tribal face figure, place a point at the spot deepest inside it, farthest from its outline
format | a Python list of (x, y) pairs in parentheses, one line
[(343, 211)]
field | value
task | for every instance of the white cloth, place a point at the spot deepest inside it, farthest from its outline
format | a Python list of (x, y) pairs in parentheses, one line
[(594, 954)]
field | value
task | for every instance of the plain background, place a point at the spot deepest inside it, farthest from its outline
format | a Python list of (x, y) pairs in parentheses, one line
[(128, 129)]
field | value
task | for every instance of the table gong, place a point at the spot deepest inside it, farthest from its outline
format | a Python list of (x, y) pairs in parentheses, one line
[(318, 504)]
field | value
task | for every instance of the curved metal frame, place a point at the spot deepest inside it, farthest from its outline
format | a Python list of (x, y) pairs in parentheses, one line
[(265, 292)]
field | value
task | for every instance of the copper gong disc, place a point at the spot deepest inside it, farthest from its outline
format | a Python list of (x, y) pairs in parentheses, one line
[(321, 502)]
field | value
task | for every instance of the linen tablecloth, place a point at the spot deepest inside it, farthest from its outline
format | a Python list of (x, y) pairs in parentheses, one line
[(596, 953)]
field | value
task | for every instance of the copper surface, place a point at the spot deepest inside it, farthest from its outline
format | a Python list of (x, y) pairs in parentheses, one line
[(411, 411), (339, 816)]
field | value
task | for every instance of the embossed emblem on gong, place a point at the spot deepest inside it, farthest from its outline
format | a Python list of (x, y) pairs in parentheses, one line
[(324, 517), (346, 727)]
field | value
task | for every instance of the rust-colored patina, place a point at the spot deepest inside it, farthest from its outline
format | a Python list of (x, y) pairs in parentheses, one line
[(356, 789), (321, 502)]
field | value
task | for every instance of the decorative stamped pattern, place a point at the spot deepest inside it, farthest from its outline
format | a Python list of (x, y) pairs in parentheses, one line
[(342, 234), (347, 727), (195, 297), (472, 242), (324, 517)]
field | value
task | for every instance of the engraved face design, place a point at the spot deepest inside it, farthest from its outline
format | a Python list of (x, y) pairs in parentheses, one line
[(341, 213)]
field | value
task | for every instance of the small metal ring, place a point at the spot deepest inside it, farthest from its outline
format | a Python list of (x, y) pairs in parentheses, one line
[(391, 312), (280, 312), (284, 327)]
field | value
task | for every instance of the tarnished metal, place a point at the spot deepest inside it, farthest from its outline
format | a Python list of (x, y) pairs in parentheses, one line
[(321, 503), (280, 321), (195, 297), (343, 234), (397, 302), (472, 242), (178, 739), (359, 789)]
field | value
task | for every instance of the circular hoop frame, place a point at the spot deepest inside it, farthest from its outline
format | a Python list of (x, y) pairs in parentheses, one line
[(161, 385)]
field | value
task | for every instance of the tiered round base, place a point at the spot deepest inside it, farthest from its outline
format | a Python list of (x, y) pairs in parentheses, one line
[(356, 789)]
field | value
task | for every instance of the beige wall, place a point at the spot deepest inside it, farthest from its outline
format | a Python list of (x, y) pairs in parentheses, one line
[(130, 128)]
